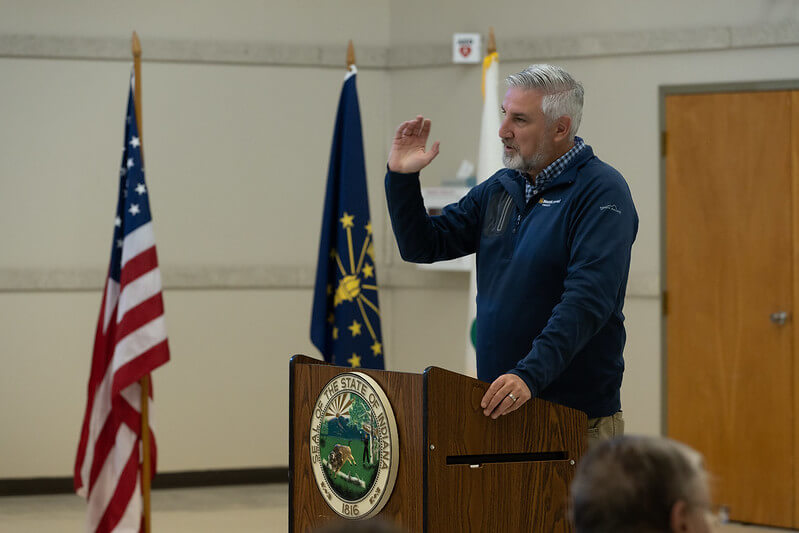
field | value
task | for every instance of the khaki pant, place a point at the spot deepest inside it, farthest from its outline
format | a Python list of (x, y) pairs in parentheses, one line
[(605, 427)]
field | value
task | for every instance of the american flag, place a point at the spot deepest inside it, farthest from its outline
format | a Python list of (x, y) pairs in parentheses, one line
[(129, 343)]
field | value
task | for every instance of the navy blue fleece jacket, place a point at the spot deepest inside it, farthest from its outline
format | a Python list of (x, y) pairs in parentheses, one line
[(551, 274)]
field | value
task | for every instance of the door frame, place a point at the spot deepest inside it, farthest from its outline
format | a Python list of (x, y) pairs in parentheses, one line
[(704, 88)]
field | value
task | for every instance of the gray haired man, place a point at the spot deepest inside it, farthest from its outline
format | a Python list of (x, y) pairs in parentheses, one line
[(552, 233)]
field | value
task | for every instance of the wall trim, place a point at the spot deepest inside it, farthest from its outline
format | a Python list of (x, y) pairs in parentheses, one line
[(403, 56), (265, 277), (289, 277), (165, 480), (187, 51)]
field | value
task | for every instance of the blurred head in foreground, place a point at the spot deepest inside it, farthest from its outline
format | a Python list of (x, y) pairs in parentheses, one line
[(642, 485)]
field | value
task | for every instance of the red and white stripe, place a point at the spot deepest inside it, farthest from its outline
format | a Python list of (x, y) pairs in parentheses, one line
[(130, 342)]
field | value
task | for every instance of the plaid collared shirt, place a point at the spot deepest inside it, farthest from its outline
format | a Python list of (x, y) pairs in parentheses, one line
[(553, 170)]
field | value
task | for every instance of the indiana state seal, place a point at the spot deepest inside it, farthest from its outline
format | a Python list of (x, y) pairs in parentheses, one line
[(354, 445)]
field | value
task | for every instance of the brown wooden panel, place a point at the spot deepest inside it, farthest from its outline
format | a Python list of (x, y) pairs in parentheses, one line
[(404, 391), (729, 252), (526, 496)]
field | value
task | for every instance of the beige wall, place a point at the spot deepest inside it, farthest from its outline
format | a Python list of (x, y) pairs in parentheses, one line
[(236, 160), (412, 21), (295, 22)]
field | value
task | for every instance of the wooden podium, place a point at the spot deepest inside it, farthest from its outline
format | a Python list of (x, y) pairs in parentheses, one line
[(458, 469)]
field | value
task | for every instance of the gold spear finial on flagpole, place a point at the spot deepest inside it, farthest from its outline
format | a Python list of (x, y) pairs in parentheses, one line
[(350, 55), (492, 43), (145, 381), (136, 45)]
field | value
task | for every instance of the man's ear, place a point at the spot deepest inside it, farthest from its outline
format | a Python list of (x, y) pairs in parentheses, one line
[(562, 127), (679, 517)]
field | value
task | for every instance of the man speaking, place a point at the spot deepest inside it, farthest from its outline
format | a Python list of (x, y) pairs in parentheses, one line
[(552, 233)]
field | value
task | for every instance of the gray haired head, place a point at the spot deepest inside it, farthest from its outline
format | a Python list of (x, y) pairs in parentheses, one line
[(630, 484), (563, 95)]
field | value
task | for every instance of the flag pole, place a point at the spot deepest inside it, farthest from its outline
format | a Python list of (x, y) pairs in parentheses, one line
[(492, 42), (136, 48), (350, 55), (145, 381)]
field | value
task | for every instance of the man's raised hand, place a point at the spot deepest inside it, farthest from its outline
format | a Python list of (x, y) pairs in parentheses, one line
[(408, 153)]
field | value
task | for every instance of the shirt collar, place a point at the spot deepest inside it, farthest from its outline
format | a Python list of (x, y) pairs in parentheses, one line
[(559, 165), (554, 169)]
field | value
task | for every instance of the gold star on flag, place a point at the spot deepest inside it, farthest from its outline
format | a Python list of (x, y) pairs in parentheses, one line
[(333, 254), (355, 328), (331, 318), (346, 220), (335, 333), (368, 228), (329, 289), (354, 361), (371, 251), (377, 348), (368, 271)]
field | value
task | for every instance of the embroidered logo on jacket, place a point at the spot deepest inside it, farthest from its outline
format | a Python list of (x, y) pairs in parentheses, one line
[(547, 203), (610, 207)]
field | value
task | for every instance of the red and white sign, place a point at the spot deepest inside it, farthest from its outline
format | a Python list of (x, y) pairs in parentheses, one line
[(466, 48)]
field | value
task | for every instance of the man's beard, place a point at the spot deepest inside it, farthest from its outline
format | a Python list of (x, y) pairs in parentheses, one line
[(534, 163)]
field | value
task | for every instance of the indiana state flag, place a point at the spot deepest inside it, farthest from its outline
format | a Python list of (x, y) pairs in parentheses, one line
[(345, 321)]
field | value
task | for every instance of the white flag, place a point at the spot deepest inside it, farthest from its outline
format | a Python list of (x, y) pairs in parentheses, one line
[(489, 161)]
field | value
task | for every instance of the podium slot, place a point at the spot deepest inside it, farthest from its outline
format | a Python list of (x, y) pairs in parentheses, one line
[(535, 457)]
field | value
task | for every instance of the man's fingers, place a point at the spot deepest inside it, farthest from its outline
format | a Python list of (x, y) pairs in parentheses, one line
[(521, 398), (506, 394), (413, 127), (492, 390), (418, 124), (515, 405), (400, 133), (418, 127), (432, 153), (424, 130), (500, 398), (499, 394), (407, 128), (505, 407)]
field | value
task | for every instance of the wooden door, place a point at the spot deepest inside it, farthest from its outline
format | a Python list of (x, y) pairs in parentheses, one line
[(730, 249)]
